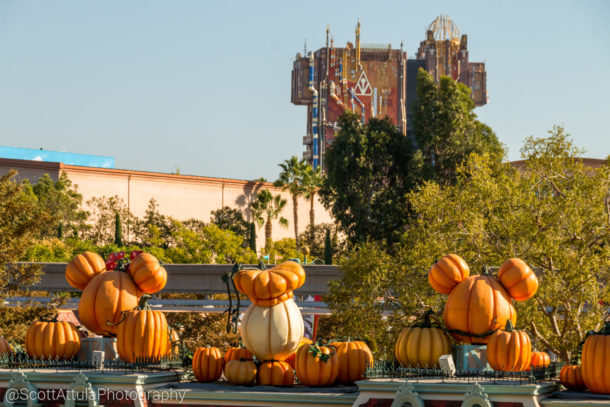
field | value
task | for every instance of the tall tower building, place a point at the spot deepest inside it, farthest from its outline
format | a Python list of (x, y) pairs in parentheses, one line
[(374, 80)]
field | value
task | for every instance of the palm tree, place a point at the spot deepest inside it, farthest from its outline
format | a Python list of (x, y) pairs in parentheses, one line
[(266, 208), (312, 182), (291, 179)]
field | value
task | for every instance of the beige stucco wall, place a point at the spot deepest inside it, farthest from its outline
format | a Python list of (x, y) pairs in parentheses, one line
[(179, 196)]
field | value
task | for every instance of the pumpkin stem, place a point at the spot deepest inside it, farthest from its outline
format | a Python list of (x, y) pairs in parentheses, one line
[(50, 317), (143, 303), (509, 326), (486, 271), (261, 265)]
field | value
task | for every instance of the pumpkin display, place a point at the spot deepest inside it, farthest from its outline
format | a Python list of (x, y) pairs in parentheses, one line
[(275, 373), (571, 377), (290, 359), (142, 334), (83, 268), (241, 372), (147, 273), (447, 273), (477, 306), (540, 360), (518, 279), (270, 287), (596, 361), (52, 339), (354, 357), (5, 347), (509, 350), (272, 332), (173, 340), (235, 353), (104, 299), (420, 347), (207, 364), (317, 365)]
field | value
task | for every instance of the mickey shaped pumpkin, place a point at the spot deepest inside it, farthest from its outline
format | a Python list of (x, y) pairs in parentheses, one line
[(479, 305)]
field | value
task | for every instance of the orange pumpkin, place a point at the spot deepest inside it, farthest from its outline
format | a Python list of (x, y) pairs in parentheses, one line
[(147, 273), (571, 377), (290, 359), (52, 339), (540, 360), (518, 279), (142, 334), (477, 306), (5, 347), (509, 350), (596, 361), (173, 341), (207, 364), (317, 365), (235, 353), (104, 299), (420, 347), (270, 287), (83, 268), (447, 273), (241, 372), (354, 357), (275, 373)]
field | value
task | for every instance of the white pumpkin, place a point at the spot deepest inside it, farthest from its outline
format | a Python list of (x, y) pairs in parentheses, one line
[(272, 332)]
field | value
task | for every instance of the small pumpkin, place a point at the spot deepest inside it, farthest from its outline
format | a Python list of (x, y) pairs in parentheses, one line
[(421, 345), (509, 350), (83, 268), (317, 365), (241, 372), (447, 273), (142, 334), (5, 347), (596, 361), (236, 353), (147, 273), (518, 279), (571, 377), (52, 339), (540, 360), (290, 359), (272, 332), (173, 341), (207, 364), (104, 299), (354, 357), (270, 287), (275, 373)]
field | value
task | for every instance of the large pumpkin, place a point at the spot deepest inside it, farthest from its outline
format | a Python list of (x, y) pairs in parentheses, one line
[(52, 339), (242, 372), (478, 306), (447, 273), (207, 364), (540, 360), (354, 357), (596, 361), (420, 347), (317, 365), (272, 286), (509, 350), (571, 377), (104, 299), (147, 273), (275, 373), (142, 335), (290, 359), (272, 332), (83, 268), (518, 279)]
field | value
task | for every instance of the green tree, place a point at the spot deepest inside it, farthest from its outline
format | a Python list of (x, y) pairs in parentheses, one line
[(315, 239), (265, 209), (61, 200), (328, 250), (292, 179), (102, 215), (252, 234), (118, 230), (369, 169), (446, 128), (312, 182), (231, 219)]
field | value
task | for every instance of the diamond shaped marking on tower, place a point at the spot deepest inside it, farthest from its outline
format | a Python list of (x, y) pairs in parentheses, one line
[(363, 87)]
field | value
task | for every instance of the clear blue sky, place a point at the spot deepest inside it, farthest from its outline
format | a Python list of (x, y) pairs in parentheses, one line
[(205, 86)]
